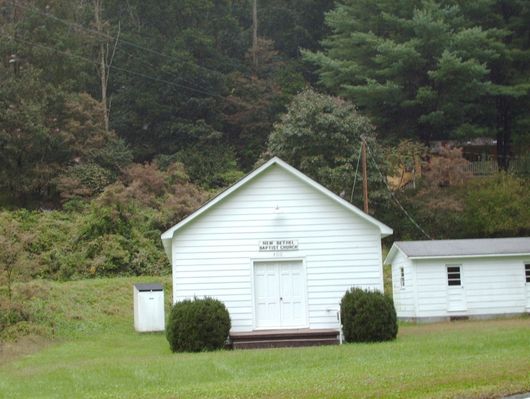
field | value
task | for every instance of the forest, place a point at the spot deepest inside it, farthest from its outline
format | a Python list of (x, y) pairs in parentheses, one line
[(119, 118)]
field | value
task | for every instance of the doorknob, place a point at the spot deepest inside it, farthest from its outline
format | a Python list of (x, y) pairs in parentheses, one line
[(281, 298)]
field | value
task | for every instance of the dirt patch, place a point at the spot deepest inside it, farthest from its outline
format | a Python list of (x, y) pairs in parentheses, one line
[(12, 350)]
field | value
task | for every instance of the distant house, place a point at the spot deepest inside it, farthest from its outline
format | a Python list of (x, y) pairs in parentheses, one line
[(434, 280), (278, 249)]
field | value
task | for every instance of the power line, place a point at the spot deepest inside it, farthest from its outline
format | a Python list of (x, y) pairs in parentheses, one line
[(109, 37), (374, 162), (87, 60)]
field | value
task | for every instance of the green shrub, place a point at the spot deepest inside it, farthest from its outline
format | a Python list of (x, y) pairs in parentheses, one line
[(198, 325), (11, 314), (368, 316)]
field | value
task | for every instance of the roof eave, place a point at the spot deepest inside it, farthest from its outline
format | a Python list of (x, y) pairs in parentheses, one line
[(468, 256), (394, 249)]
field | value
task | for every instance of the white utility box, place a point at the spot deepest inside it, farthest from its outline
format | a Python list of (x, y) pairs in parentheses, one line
[(149, 312)]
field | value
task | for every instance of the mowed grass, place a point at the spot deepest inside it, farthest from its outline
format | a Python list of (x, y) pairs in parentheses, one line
[(104, 358)]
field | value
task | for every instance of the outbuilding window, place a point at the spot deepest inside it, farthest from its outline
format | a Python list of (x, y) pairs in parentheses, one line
[(402, 277), (453, 275), (527, 272)]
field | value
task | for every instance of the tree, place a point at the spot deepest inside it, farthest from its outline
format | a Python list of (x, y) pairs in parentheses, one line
[(12, 241), (172, 96), (44, 131), (321, 136), (255, 101), (430, 69), (498, 206), (509, 91), (293, 25)]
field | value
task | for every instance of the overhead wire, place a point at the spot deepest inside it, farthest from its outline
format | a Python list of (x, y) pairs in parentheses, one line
[(139, 74), (107, 36), (374, 162), (113, 39)]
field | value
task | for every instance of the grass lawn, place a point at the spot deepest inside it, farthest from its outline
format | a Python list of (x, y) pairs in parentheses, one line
[(96, 354)]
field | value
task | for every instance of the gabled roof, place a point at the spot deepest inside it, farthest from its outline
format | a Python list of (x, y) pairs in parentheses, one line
[(476, 247), (168, 235)]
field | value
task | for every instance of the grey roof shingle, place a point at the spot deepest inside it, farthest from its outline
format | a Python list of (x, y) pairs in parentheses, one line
[(149, 287), (467, 247)]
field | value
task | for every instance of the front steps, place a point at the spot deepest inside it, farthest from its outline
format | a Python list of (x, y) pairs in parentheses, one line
[(283, 338)]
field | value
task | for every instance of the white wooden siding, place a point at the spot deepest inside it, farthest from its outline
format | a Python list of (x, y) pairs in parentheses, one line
[(213, 256), (490, 285), (404, 297)]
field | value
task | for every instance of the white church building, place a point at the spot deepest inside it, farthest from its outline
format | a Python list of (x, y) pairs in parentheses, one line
[(278, 249)]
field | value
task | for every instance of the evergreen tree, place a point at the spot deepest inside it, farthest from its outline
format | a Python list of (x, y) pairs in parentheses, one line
[(430, 69)]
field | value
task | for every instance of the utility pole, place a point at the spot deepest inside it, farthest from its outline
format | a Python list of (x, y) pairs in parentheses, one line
[(255, 33), (365, 176), (102, 64)]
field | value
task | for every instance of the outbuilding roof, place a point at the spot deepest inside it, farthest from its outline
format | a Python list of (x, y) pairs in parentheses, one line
[(475, 247), (167, 236), (149, 287)]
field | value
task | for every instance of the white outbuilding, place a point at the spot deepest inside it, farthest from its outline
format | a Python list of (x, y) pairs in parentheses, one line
[(445, 279), (149, 315), (278, 249)]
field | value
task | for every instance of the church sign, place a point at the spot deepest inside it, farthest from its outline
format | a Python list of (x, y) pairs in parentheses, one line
[(278, 245)]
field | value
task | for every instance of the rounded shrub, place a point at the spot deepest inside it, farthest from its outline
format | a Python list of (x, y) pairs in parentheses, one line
[(197, 325), (368, 316)]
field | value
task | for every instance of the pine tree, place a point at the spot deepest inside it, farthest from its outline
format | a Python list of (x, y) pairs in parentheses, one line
[(431, 69)]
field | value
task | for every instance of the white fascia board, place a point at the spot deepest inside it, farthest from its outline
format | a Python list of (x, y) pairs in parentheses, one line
[(392, 254), (468, 256), (384, 229), (167, 236)]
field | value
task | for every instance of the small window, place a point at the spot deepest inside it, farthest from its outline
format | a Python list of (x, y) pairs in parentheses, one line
[(527, 272), (402, 277), (453, 275)]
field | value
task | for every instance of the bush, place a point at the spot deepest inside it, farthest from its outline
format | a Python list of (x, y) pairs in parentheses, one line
[(11, 314), (198, 325), (368, 316)]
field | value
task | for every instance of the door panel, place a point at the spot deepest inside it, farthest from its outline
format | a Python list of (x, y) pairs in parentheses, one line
[(279, 294), (267, 295), (456, 295), (292, 298)]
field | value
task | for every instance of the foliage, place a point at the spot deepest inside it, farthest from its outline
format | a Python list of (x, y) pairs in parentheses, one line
[(255, 101), (405, 163), (13, 260), (210, 166), (10, 315), (293, 25), (83, 181), (431, 69), (407, 154), (498, 206), (448, 168), (368, 316), (44, 131), (321, 136), (198, 325), (117, 233)]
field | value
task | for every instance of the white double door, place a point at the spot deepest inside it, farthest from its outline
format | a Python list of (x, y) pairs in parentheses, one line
[(280, 294)]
